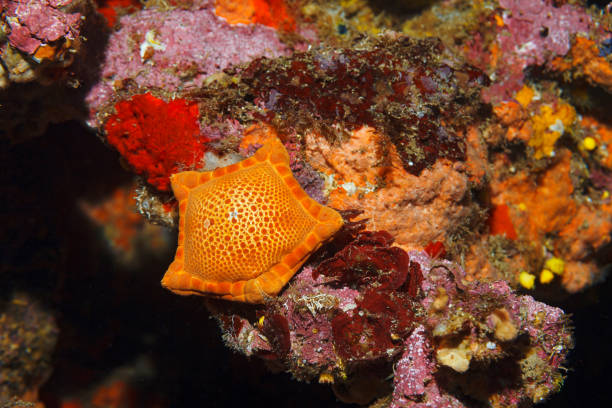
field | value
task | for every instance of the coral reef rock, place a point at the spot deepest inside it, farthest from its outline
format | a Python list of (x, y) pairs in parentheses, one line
[(408, 326)]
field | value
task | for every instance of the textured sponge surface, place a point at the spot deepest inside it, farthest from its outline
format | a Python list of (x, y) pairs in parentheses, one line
[(237, 233)]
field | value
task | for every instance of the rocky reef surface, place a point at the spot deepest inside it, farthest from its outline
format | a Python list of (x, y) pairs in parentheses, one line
[(372, 311)]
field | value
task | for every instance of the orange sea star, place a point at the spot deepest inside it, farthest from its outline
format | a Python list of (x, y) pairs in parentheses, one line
[(245, 229)]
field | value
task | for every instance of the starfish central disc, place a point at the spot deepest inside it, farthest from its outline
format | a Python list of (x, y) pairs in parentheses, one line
[(245, 229), (241, 226)]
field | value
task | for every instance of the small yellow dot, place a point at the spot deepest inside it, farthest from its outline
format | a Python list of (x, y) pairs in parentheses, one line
[(522, 206), (555, 265), (261, 321), (605, 194), (527, 280), (589, 143), (546, 276)]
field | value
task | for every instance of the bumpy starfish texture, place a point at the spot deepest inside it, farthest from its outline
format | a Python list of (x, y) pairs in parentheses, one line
[(245, 229)]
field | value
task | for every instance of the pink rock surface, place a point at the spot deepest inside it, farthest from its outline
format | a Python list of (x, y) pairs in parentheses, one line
[(189, 46), (533, 33), (303, 334), (415, 367), (414, 377), (537, 29), (34, 22)]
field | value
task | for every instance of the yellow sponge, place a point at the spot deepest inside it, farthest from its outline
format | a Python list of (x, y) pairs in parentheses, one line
[(546, 276), (527, 280), (555, 265)]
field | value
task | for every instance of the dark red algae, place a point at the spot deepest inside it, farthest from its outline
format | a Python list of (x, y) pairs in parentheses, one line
[(369, 260), (435, 249), (375, 328), (411, 90), (276, 329), (388, 283)]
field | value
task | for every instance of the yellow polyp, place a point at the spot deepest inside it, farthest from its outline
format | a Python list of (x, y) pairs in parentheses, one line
[(19, 302), (588, 143), (522, 206), (261, 321), (525, 95), (326, 378), (548, 126), (527, 280), (546, 276), (555, 265), (605, 194), (342, 369)]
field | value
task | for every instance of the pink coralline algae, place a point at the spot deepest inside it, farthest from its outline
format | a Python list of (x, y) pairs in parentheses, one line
[(310, 180), (530, 33), (177, 50), (537, 30), (35, 22), (414, 375), (364, 315), (39, 43)]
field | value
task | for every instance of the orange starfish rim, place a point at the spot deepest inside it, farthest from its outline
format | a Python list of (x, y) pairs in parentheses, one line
[(269, 283)]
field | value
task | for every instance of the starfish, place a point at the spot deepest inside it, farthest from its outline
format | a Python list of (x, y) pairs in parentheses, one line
[(245, 229)]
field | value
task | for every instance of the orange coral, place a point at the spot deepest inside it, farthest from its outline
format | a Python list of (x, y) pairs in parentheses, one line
[(476, 163), (114, 395), (257, 134), (495, 54), (245, 229), (71, 404), (540, 130), (366, 173), (271, 13), (592, 226), (525, 95), (236, 11), (548, 125), (602, 133), (548, 204), (31, 397), (119, 217), (544, 212), (123, 227), (584, 60), (579, 275), (515, 120), (500, 222)]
